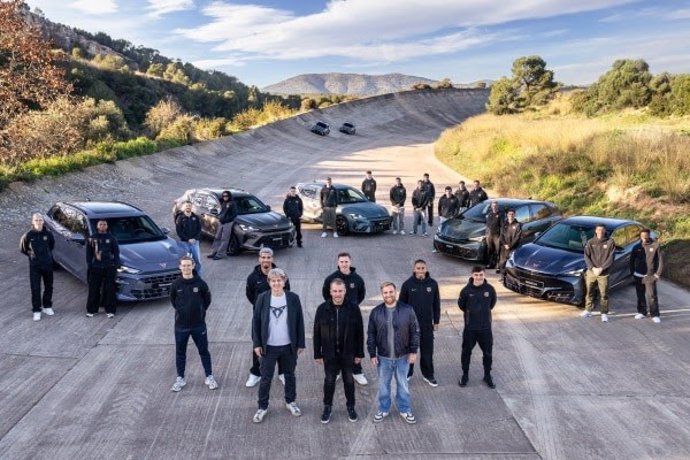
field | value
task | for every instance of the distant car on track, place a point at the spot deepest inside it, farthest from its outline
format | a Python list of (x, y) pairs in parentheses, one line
[(321, 128), (347, 128)]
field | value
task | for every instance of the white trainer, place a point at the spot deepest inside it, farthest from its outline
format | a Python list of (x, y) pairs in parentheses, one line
[(281, 377), (395, 232), (110, 315), (585, 314), (335, 234), (252, 381), (179, 384), (211, 382), (360, 378), (37, 316), (294, 410), (323, 235), (402, 232), (656, 319), (604, 318), (49, 311), (639, 316), (259, 416)]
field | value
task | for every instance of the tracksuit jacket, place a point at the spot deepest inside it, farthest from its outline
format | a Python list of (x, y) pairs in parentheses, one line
[(355, 290), (647, 259), (463, 196), (38, 246), (420, 199), (398, 195), (257, 283), (477, 196), (261, 320), (511, 234), (599, 253), (344, 321), (190, 298), (107, 245), (430, 190), (424, 297), (188, 227), (369, 186), (293, 207), (228, 212), (448, 207), (405, 326), (329, 197), (476, 302), (494, 222)]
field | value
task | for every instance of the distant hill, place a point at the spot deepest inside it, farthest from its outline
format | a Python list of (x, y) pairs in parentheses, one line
[(346, 83)]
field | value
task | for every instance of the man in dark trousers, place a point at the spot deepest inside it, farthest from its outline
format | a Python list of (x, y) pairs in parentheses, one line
[(494, 221), (420, 203), (188, 228), (38, 244), (257, 283), (448, 206), (477, 194), (511, 232), (226, 220), (476, 301), (431, 193), (369, 187), (646, 266), (599, 252), (355, 293), (338, 344), (102, 261), (293, 208), (329, 203), (463, 195), (398, 196), (421, 292), (190, 297), (278, 335)]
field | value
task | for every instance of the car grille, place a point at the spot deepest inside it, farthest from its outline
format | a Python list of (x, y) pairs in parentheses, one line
[(540, 285), (452, 239), (454, 250), (157, 286), (381, 225), (275, 241)]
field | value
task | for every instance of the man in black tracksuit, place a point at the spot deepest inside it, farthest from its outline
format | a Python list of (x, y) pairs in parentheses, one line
[(599, 254), (38, 244), (329, 203), (494, 221), (420, 203), (431, 193), (646, 266), (369, 187), (190, 297), (476, 300), (421, 291), (398, 196), (511, 232), (102, 261), (463, 195), (293, 208), (477, 194), (338, 344), (448, 206), (355, 292)]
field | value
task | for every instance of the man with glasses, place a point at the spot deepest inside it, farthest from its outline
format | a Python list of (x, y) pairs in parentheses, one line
[(226, 219)]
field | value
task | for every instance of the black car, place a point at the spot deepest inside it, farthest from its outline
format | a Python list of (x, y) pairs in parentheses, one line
[(347, 128), (255, 225), (321, 128), (464, 236), (354, 213), (553, 266), (148, 256)]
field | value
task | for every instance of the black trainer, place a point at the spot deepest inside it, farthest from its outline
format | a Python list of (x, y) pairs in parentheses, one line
[(463, 380), (351, 414), (489, 381), (212, 255), (326, 414)]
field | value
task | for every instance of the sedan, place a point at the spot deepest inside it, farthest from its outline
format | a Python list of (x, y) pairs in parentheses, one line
[(348, 128), (321, 128), (553, 266)]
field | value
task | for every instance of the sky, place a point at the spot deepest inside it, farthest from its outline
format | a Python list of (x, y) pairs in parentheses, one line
[(262, 42)]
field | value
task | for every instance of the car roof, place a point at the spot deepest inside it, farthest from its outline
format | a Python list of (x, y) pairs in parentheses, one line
[(513, 202), (95, 209), (218, 191), (322, 183), (609, 222)]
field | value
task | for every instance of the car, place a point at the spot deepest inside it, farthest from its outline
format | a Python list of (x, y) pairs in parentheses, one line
[(552, 267), (464, 236), (149, 258), (321, 128), (347, 128), (354, 213), (255, 226)]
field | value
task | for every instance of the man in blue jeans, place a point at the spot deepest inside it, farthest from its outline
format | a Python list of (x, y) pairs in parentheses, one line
[(188, 228), (392, 342)]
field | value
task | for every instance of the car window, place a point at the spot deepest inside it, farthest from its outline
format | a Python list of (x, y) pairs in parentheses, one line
[(348, 195), (249, 205), (210, 201), (58, 215), (322, 125), (131, 229), (307, 190), (198, 200), (522, 214), (572, 237), (77, 222), (539, 211), (623, 236)]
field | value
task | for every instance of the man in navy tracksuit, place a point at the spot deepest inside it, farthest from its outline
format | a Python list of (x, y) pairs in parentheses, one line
[(476, 300), (293, 208), (494, 222), (102, 261), (38, 244), (646, 266), (190, 297), (421, 291)]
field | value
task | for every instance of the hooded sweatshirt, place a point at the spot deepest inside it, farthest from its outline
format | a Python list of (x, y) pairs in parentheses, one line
[(257, 282), (424, 297), (355, 291), (476, 302), (599, 253), (647, 259), (38, 246), (190, 298)]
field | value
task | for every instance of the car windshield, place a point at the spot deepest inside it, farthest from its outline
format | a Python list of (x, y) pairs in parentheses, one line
[(348, 125), (478, 212), (249, 205), (131, 229), (571, 237), (350, 195), (322, 125)]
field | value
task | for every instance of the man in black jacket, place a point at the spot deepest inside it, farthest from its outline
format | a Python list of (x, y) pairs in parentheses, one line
[(463, 195), (369, 187), (392, 342), (448, 206), (420, 203), (338, 344), (477, 194), (190, 297), (329, 203), (398, 195), (421, 292), (226, 220), (293, 208), (431, 193), (102, 261), (494, 221), (38, 244), (476, 301), (355, 293), (188, 228), (278, 335), (511, 232), (646, 266), (599, 253)]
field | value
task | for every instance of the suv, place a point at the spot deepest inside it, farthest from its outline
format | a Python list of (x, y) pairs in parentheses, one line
[(348, 128), (321, 128), (149, 257)]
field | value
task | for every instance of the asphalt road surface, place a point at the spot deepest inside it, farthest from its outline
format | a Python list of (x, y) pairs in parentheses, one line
[(567, 388)]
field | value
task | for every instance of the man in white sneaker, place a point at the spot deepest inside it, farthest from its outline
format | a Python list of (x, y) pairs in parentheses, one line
[(646, 265), (398, 196), (599, 252), (38, 244), (329, 202)]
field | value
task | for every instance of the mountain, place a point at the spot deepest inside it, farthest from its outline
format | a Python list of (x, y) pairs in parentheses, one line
[(346, 83)]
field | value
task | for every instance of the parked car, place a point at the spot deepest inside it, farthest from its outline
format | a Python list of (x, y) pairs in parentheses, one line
[(553, 266), (464, 236), (354, 213), (347, 128), (148, 256), (321, 128), (255, 225)]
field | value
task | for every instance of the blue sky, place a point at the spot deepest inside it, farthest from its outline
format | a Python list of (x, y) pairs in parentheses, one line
[(264, 41)]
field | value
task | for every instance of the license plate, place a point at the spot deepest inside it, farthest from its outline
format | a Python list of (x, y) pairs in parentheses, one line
[(161, 285), (531, 283), (277, 239)]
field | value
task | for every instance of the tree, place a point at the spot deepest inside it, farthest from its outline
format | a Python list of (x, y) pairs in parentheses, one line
[(680, 94), (533, 80), (162, 115), (504, 97), (444, 84)]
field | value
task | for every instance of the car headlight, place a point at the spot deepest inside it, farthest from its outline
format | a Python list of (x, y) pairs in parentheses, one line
[(577, 272), (247, 228), (128, 270), (356, 216), (510, 262), (290, 224), (478, 239)]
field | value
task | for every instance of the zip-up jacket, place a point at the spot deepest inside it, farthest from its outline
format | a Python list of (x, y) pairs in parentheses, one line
[(369, 186), (398, 195), (257, 283), (292, 207), (476, 302), (424, 297), (494, 221), (599, 253), (228, 212), (355, 290), (344, 321), (647, 259), (420, 199), (38, 246), (329, 197), (511, 234), (106, 244), (477, 196), (404, 324), (261, 320), (463, 196), (430, 190), (188, 227), (448, 207), (190, 298)]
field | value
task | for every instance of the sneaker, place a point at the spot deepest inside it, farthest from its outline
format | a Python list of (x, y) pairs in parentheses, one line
[(656, 319), (326, 414), (335, 234), (380, 416), (110, 315), (425, 234), (409, 377), (37, 316), (281, 377), (179, 384), (432, 381), (89, 315), (324, 235), (435, 251), (640, 316), (211, 382), (395, 232), (259, 416), (604, 318), (408, 417), (351, 414), (212, 255), (294, 410), (252, 381), (463, 380), (585, 314), (413, 233), (360, 378), (49, 311), (489, 381), (402, 232)]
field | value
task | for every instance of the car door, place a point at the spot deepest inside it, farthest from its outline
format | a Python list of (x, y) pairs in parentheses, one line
[(625, 238), (522, 215), (70, 250), (538, 219), (208, 207), (311, 201)]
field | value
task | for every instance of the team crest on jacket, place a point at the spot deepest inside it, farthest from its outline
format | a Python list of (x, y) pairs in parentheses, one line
[(352, 285), (45, 238), (107, 241), (428, 289), (486, 294), (650, 249), (196, 289)]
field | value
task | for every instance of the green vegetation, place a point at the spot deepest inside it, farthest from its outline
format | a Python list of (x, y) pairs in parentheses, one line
[(531, 86)]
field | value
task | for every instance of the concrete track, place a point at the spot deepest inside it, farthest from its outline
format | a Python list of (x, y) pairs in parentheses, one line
[(74, 387)]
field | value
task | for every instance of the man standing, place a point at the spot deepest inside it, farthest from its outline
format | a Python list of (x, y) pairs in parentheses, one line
[(599, 258), (190, 297), (292, 208), (369, 187), (278, 336), (511, 232), (476, 301), (355, 292), (329, 201), (494, 220), (338, 344), (420, 203), (188, 227), (102, 260), (257, 283), (226, 219), (448, 206), (463, 195), (392, 342), (421, 292), (646, 265), (431, 193), (38, 244), (477, 194), (398, 195)]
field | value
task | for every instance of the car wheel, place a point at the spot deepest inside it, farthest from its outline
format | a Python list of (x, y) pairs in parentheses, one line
[(341, 225), (234, 246)]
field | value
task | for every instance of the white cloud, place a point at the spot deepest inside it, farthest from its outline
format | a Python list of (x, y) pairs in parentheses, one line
[(95, 7), (158, 8)]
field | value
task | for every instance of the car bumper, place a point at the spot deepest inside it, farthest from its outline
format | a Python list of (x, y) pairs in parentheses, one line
[(564, 289), (466, 249), (145, 286), (369, 225), (253, 241)]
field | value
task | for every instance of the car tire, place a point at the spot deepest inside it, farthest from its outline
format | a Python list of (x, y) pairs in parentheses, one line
[(341, 225), (234, 246)]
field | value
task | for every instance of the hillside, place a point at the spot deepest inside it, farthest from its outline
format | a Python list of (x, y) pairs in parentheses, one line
[(346, 83)]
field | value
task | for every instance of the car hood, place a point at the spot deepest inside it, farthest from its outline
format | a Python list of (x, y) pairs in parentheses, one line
[(370, 210), (463, 228), (264, 221), (151, 255), (547, 260)]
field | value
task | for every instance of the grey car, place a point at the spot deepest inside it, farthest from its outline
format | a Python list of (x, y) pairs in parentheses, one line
[(148, 256), (321, 128)]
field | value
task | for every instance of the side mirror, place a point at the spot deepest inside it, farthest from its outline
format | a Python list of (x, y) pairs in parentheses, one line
[(214, 211), (269, 208), (536, 234), (165, 230)]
